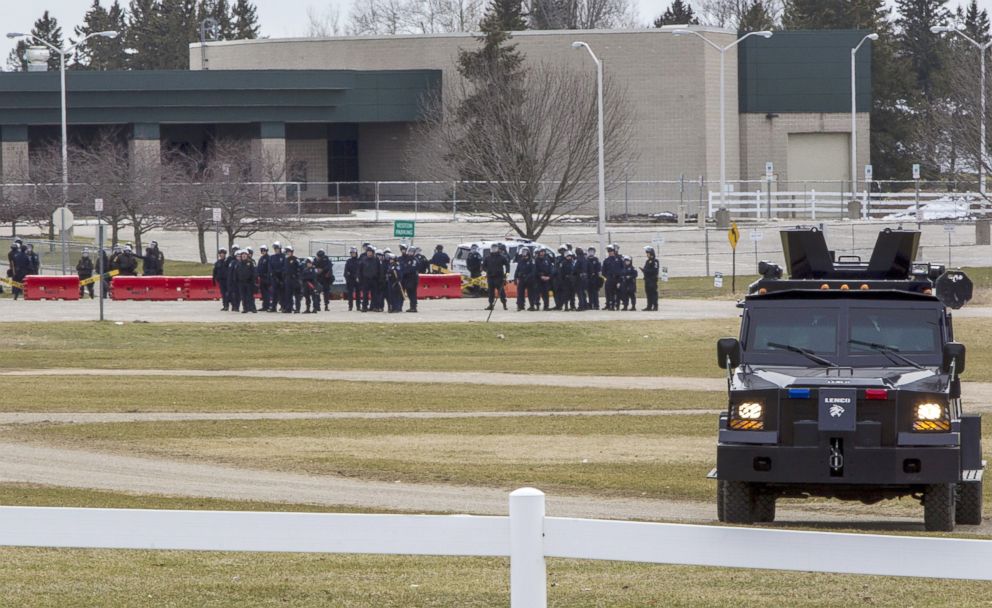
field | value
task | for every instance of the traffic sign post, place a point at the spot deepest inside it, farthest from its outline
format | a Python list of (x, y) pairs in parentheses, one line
[(756, 235), (98, 207), (62, 220), (734, 236), (916, 181), (949, 229), (218, 215), (404, 229)]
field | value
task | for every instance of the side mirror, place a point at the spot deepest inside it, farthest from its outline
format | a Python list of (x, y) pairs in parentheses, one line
[(728, 348), (953, 351)]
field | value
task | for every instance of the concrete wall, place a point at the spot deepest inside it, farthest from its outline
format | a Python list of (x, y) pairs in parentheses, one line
[(672, 85)]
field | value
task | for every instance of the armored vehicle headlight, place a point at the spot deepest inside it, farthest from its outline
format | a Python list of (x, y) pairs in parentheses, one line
[(751, 410), (929, 411)]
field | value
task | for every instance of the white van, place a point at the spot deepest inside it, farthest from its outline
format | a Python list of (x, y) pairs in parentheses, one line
[(512, 245)]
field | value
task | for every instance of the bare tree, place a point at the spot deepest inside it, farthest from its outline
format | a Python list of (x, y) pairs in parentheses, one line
[(733, 13), (45, 193), (529, 151), (581, 14), (388, 17), (187, 201), (324, 23)]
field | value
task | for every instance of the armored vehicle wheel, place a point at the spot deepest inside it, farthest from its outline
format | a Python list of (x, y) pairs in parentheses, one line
[(764, 507), (738, 502), (968, 508), (720, 492), (938, 507)]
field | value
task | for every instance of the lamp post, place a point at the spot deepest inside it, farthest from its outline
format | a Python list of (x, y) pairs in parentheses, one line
[(62, 53), (957, 29), (601, 228), (854, 124), (723, 97)]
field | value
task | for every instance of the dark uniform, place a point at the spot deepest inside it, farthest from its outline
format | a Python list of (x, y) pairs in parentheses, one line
[(310, 281), (524, 275), (220, 278), (244, 277), (410, 278), (495, 266), (127, 263), (581, 278), (277, 273), (20, 268), (368, 277), (595, 279), (544, 272), (474, 263), (291, 283), (440, 259), (568, 281), (233, 292), (34, 262), (351, 279), (650, 274), (154, 261), (325, 275), (628, 285), (264, 273), (84, 270), (394, 284), (612, 266)]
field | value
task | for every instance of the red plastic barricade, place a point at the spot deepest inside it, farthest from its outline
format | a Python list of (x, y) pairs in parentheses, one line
[(440, 286), (148, 288), (40, 287), (202, 288)]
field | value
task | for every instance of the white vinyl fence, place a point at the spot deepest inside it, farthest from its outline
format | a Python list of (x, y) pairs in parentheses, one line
[(527, 537), (815, 204)]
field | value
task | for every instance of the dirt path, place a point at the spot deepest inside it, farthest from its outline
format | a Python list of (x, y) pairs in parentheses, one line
[(7, 418), (21, 462)]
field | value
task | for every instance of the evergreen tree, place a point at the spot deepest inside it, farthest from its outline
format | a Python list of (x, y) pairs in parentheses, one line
[(920, 47), (976, 22), (178, 28), (679, 13), (245, 17), (142, 34), (756, 17), (47, 28), (100, 53), (221, 12)]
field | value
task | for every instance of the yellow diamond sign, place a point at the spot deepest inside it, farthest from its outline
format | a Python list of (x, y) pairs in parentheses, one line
[(733, 235)]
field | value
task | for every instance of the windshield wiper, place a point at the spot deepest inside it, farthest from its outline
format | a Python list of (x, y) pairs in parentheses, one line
[(805, 352), (889, 351)]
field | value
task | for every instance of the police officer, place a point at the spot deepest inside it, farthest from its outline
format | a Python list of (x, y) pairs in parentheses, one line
[(568, 280), (423, 264), (474, 262), (557, 283), (325, 275), (650, 274), (20, 268), (291, 282), (234, 293), (440, 258), (595, 280), (544, 271), (351, 279), (368, 276), (34, 262), (495, 266), (410, 276), (277, 271), (220, 277), (379, 293), (310, 280), (612, 266), (153, 260), (394, 284), (264, 277), (84, 270), (245, 276), (628, 284), (524, 276), (581, 278)]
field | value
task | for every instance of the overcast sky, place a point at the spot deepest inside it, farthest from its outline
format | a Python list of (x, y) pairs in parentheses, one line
[(278, 18)]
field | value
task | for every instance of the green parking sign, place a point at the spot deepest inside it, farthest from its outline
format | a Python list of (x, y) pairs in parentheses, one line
[(403, 229)]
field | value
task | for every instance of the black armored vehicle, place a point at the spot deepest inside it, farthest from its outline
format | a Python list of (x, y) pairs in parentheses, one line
[(845, 383)]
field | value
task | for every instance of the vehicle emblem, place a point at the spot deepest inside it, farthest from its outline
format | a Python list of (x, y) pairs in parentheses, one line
[(836, 411)]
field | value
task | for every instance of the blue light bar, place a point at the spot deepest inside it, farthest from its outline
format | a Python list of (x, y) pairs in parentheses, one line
[(799, 393)]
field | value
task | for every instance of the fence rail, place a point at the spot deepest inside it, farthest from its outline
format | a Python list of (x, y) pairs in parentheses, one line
[(527, 537), (813, 204)]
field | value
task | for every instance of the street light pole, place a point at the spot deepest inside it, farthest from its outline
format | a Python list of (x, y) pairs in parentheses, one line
[(982, 156), (723, 97), (854, 123), (601, 228)]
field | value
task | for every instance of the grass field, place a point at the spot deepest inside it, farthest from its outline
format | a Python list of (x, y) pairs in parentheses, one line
[(43, 578), (235, 394)]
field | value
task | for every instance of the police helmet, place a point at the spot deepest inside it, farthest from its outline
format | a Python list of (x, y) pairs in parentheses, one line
[(626, 258), (475, 246), (568, 246), (591, 251), (154, 244), (439, 248), (494, 247), (569, 254), (389, 255), (616, 247), (222, 250), (353, 250), (86, 253), (540, 250), (387, 250), (524, 251), (263, 248), (404, 246), (276, 245), (235, 248), (290, 248), (309, 260), (562, 249), (610, 248), (126, 248), (321, 253), (649, 249), (19, 241), (502, 246)]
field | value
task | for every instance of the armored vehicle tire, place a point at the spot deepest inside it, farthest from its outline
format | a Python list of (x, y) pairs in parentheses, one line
[(938, 507), (738, 502), (720, 492), (764, 507), (968, 508)]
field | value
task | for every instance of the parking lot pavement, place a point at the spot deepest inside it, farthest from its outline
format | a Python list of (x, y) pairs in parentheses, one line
[(465, 310)]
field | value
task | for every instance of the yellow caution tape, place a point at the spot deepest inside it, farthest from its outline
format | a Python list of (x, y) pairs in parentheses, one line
[(96, 277), (12, 283)]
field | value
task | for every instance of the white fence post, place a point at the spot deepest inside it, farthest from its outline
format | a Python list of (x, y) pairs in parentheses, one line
[(813, 205), (528, 575)]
